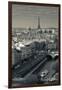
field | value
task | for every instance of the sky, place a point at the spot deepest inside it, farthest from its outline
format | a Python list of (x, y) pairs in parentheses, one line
[(25, 16)]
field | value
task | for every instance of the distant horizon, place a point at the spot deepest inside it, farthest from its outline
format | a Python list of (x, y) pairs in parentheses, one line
[(36, 28)]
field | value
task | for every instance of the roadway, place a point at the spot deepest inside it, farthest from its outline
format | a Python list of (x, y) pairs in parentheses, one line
[(31, 76)]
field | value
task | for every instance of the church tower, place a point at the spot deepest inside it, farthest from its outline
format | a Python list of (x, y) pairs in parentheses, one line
[(38, 22)]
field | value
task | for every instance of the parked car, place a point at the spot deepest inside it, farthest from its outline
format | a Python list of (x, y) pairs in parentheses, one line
[(55, 77), (44, 73)]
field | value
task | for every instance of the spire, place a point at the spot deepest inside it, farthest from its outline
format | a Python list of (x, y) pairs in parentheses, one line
[(38, 22)]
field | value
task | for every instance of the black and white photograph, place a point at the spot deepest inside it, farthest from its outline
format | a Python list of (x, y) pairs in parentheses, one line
[(35, 44)]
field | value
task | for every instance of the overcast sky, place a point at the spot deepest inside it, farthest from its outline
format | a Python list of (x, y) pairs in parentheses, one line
[(27, 16)]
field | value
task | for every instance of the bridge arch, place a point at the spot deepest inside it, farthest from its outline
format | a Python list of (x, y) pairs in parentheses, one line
[(56, 57), (49, 57)]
